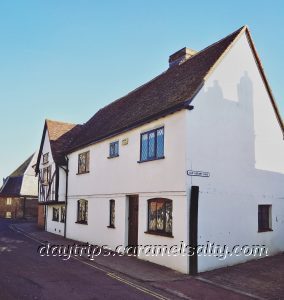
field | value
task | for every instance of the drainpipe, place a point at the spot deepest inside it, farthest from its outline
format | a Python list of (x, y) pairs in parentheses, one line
[(66, 170)]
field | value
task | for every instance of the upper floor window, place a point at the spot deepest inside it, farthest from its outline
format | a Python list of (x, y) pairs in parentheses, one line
[(82, 211), (9, 201), (45, 158), (83, 162), (160, 216), (152, 144), (46, 175), (264, 218), (113, 149), (63, 214), (55, 214), (111, 213)]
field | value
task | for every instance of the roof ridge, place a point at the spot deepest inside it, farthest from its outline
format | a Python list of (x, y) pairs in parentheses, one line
[(55, 121)]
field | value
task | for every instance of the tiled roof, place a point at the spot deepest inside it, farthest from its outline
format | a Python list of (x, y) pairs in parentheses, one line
[(167, 92), (22, 168), (60, 136)]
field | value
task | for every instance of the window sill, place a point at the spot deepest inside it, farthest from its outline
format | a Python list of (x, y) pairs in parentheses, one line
[(264, 230), (83, 173), (159, 233), (82, 222), (153, 159), (110, 157), (111, 226)]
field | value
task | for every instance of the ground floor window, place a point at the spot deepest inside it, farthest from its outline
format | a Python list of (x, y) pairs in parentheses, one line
[(111, 213), (160, 216), (8, 215), (264, 218), (55, 214), (82, 211), (63, 214)]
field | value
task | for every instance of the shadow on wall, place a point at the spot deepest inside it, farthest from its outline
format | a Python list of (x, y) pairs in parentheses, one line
[(230, 134)]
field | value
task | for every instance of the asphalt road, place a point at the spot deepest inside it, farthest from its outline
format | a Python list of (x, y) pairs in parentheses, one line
[(24, 274)]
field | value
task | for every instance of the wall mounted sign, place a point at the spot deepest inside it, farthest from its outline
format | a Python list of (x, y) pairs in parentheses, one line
[(124, 141), (197, 173)]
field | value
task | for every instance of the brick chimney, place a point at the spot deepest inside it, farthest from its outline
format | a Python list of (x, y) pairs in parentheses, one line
[(181, 56)]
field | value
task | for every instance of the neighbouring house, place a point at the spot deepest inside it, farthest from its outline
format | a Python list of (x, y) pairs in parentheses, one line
[(194, 155), (19, 193)]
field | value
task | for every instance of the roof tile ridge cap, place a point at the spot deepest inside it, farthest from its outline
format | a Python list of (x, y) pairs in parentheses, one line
[(61, 122), (228, 48), (219, 41)]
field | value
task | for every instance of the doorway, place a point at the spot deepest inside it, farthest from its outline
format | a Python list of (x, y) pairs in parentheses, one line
[(133, 204)]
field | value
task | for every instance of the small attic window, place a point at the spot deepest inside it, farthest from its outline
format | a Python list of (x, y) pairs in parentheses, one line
[(45, 158)]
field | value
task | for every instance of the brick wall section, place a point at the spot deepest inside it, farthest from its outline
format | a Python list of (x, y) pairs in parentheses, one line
[(18, 207), (40, 216)]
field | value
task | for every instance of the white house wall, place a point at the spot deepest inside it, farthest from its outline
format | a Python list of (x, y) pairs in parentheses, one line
[(30, 182), (53, 226), (118, 177), (233, 133)]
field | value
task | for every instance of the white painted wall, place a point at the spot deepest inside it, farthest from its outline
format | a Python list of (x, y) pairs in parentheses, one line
[(30, 182), (118, 177), (233, 133), (54, 226)]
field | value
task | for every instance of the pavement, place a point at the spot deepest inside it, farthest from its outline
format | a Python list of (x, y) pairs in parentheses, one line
[(259, 279)]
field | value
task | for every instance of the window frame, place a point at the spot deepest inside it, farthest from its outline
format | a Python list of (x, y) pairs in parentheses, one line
[(63, 215), (83, 220), (87, 163), (115, 154), (54, 218), (45, 158), (155, 157), (47, 171), (9, 201), (111, 210), (264, 217), (162, 232)]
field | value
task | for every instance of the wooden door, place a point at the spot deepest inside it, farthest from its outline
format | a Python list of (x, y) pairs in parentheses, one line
[(133, 221)]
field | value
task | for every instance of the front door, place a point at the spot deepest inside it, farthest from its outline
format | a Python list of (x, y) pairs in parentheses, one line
[(133, 221)]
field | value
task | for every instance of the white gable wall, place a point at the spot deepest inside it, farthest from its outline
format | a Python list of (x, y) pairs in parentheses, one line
[(233, 133), (30, 182), (53, 226)]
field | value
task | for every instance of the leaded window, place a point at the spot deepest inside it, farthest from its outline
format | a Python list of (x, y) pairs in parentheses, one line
[(82, 212), (45, 158), (55, 214), (63, 214), (114, 149), (46, 175), (112, 213), (152, 144), (264, 218), (160, 216), (83, 162)]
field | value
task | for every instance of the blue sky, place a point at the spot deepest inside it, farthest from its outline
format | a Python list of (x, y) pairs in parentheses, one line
[(64, 60)]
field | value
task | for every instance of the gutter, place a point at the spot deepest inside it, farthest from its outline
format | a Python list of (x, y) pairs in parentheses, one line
[(164, 113)]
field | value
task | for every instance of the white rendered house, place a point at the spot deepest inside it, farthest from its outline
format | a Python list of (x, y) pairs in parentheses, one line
[(193, 156)]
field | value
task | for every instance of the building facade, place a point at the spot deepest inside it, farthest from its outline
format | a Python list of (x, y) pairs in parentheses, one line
[(193, 157), (18, 194)]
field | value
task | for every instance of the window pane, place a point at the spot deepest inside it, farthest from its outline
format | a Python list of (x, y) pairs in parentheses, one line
[(160, 215), (144, 146), (112, 212), (151, 145), (160, 142), (152, 216), (169, 221)]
